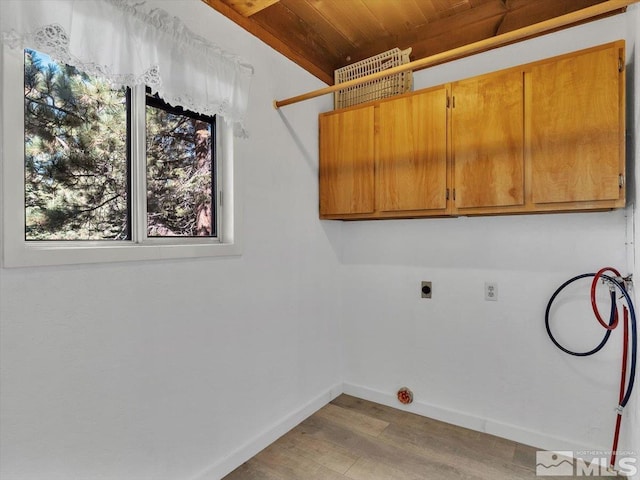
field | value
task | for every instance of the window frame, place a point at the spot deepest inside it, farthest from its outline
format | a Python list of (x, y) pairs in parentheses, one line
[(18, 252)]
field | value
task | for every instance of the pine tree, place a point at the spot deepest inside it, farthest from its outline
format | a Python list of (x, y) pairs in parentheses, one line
[(179, 174), (75, 154)]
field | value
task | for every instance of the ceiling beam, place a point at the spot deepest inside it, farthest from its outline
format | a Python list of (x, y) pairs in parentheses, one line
[(254, 28), (300, 36)]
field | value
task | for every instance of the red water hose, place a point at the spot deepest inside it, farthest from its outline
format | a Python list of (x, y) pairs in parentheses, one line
[(625, 343), (594, 305), (623, 379)]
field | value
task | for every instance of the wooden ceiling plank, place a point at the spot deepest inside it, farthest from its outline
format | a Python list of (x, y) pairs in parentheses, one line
[(246, 8), (522, 13), (333, 38), (421, 18), (478, 3), (351, 17), (447, 8), (428, 9), (296, 33), (530, 31), (272, 40), (452, 30), (471, 33), (322, 35), (398, 17), (489, 9)]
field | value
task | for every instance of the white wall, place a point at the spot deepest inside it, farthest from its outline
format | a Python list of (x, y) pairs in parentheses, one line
[(490, 365), (173, 370)]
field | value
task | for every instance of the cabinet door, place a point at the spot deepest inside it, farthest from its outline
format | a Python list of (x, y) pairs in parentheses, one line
[(487, 141), (412, 152), (577, 127), (347, 162)]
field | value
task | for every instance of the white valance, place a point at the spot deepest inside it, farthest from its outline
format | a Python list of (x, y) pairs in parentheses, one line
[(131, 43)]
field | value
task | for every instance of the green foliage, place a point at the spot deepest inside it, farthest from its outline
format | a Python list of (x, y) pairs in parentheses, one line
[(75, 154)]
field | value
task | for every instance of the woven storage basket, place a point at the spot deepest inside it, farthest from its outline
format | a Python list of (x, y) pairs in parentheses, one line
[(376, 89)]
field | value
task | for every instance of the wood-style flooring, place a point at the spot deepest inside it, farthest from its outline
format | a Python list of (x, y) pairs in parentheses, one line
[(356, 439)]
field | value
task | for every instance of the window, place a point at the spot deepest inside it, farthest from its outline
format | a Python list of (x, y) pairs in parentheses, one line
[(77, 160), (108, 174), (180, 165)]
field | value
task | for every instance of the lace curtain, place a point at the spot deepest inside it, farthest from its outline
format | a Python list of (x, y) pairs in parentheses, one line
[(130, 43)]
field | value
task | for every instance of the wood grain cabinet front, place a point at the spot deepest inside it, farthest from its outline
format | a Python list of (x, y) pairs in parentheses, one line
[(411, 153), (543, 137), (576, 126), (487, 143), (347, 162)]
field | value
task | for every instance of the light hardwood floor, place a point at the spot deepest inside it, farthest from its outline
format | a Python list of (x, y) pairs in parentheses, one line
[(356, 439)]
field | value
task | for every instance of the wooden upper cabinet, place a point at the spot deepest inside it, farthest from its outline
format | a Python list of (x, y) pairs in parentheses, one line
[(543, 137), (576, 120), (488, 141), (347, 162), (412, 152)]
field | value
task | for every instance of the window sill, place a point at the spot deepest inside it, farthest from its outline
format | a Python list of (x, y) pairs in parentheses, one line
[(61, 253)]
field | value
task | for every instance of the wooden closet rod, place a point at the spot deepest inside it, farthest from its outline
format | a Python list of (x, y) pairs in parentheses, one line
[(476, 47)]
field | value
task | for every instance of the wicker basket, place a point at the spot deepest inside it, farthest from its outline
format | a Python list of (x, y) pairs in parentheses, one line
[(376, 89)]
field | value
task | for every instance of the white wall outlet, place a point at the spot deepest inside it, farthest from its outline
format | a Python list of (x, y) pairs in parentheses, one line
[(491, 291)]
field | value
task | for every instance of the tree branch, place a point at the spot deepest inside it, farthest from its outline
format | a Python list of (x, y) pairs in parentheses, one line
[(100, 205), (54, 107)]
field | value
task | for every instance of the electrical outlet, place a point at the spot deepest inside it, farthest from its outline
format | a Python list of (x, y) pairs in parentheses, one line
[(425, 289), (491, 291)]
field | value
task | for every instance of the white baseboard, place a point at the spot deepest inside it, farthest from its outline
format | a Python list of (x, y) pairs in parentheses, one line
[(267, 437), (461, 419)]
